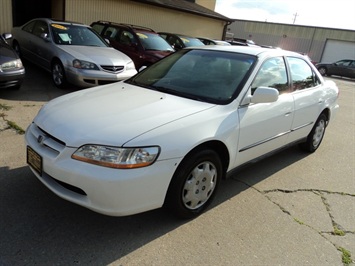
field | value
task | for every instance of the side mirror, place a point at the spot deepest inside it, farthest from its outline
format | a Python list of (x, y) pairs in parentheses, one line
[(45, 36), (142, 68), (262, 95), (7, 36), (265, 95)]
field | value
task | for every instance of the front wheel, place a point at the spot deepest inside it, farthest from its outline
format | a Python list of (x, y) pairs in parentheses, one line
[(315, 137), (58, 75), (17, 48), (194, 184)]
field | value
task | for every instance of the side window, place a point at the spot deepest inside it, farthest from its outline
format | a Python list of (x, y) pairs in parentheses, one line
[(343, 63), (126, 38), (175, 42), (110, 33), (302, 75), (29, 27), (40, 27), (272, 74), (98, 28)]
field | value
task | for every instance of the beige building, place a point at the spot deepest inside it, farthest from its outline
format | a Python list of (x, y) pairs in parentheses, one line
[(320, 44), (192, 17)]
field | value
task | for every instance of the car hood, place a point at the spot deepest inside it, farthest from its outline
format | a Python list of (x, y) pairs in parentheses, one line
[(112, 114), (6, 53), (98, 55), (158, 54)]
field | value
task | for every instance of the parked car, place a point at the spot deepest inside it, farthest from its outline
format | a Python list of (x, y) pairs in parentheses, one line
[(343, 68), (207, 41), (72, 52), (179, 41), (12, 71), (142, 44), (168, 135)]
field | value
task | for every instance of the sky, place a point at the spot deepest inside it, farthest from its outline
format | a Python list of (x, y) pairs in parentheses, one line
[(321, 13)]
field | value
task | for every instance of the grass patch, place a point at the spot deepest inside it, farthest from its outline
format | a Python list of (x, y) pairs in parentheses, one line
[(5, 107), (338, 232), (298, 221), (17, 128), (346, 256)]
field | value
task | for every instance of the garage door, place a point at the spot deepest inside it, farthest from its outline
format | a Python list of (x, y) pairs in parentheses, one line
[(337, 50)]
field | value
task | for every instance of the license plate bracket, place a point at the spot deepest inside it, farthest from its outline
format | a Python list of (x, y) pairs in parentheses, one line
[(34, 160)]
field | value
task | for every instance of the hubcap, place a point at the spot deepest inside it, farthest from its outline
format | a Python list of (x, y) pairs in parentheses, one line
[(199, 185), (318, 133), (57, 74)]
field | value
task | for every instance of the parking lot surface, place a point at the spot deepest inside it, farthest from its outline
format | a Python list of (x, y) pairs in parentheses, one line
[(292, 208)]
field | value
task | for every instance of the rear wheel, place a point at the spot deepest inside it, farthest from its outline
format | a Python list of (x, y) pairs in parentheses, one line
[(194, 184), (315, 137), (322, 71), (58, 74)]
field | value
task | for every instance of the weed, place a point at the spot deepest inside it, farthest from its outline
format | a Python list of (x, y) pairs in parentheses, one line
[(338, 232), (346, 256), (5, 107), (18, 129), (298, 221)]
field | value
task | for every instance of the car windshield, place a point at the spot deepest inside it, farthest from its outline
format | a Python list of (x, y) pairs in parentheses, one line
[(189, 41), (153, 42), (64, 34), (204, 75)]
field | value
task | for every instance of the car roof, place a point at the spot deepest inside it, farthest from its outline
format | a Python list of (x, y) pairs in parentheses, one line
[(136, 28), (178, 35), (53, 21), (251, 50)]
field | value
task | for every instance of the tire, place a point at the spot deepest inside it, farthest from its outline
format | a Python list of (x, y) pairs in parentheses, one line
[(58, 75), (322, 71), (315, 137), (194, 184), (17, 48)]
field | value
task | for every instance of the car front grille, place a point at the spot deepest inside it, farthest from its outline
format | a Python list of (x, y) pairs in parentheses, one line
[(46, 140), (113, 69)]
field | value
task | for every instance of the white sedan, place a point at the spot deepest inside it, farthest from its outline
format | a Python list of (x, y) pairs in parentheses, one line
[(168, 135)]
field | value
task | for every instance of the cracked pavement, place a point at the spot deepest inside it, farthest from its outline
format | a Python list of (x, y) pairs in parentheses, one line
[(289, 209)]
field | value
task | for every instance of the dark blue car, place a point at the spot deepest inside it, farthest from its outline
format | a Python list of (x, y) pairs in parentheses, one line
[(343, 68), (12, 72)]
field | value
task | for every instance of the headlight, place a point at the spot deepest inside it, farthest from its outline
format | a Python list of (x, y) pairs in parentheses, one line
[(84, 64), (124, 158), (130, 66), (11, 65)]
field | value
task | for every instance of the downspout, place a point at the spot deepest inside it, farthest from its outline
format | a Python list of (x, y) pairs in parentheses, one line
[(225, 29)]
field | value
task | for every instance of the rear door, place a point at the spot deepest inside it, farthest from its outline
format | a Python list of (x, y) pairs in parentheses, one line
[(308, 97)]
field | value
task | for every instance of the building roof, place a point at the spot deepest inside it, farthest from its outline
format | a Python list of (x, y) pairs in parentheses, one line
[(186, 6)]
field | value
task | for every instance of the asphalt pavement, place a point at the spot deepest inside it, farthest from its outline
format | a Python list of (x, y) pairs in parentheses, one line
[(292, 208)]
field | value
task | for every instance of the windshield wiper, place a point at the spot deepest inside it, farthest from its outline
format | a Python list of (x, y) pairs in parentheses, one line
[(178, 93)]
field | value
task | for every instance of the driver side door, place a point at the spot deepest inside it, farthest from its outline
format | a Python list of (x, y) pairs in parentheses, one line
[(264, 127)]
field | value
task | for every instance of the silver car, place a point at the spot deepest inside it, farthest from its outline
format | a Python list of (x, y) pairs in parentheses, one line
[(72, 52)]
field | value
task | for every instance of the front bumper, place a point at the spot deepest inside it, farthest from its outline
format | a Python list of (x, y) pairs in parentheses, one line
[(91, 78), (115, 192), (12, 79)]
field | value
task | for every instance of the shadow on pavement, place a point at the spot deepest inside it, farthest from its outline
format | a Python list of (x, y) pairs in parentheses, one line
[(37, 227), (37, 86)]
